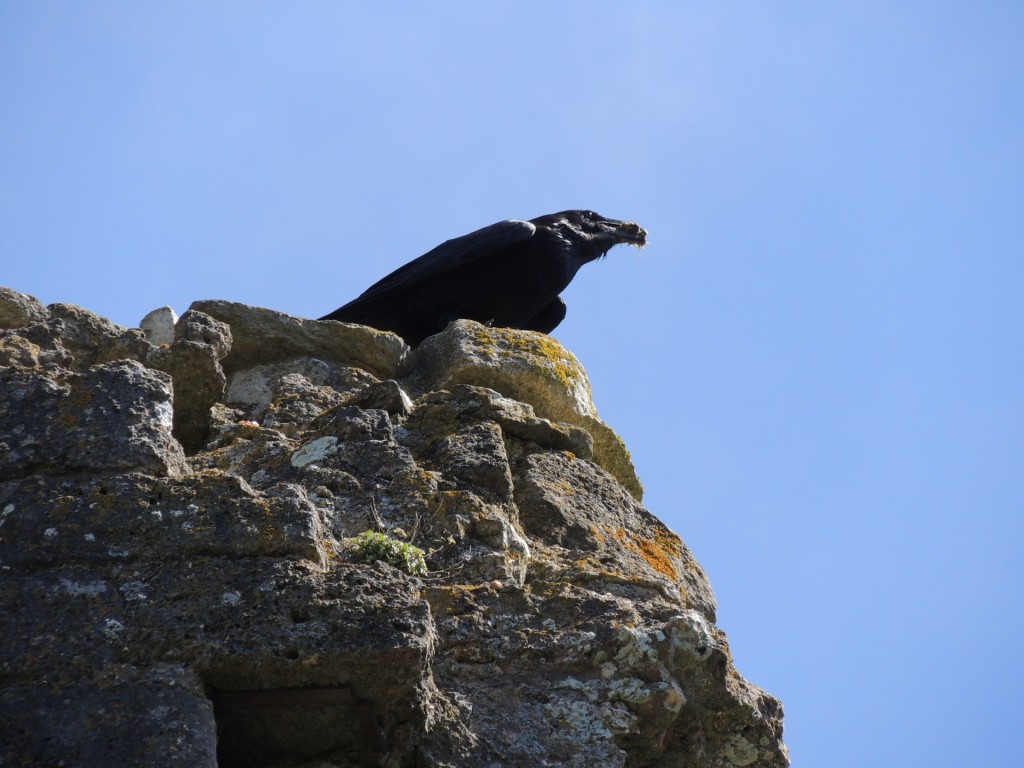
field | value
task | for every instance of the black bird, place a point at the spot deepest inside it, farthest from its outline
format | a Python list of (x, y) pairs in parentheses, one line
[(507, 275)]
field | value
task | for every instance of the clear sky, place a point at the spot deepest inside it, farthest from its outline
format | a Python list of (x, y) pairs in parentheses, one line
[(817, 362)]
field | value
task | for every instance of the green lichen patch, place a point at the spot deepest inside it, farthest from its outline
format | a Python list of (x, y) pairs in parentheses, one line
[(543, 350)]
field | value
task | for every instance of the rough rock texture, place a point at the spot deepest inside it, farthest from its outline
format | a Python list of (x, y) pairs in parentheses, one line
[(532, 368), (177, 590)]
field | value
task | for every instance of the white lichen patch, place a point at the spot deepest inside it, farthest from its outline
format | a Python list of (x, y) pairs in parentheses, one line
[(585, 721), (164, 413), (50, 533), (630, 690), (315, 451), (594, 714), (133, 591), (88, 588), (90, 537), (231, 598), (112, 629), (618, 718), (636, 646), (5, 512), (691, 634), (572, 684), (582, 642)]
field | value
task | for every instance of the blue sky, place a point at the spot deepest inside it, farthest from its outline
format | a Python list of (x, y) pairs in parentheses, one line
[(817, 362)]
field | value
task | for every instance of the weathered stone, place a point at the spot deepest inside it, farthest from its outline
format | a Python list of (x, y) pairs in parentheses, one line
[(32, 347), (254, 388), (203, 329), (132, 517), (160, 611), (158, 326), (355, 425), (618, 546), (515, 419), (511, 552), (697, 653), (296, 402), (530, 367), (262, 336), (386, 395), (92, 339), (114, 417), (258, 455), (475, 458), (60, 625), (199, 383), (281, 625), (61, 335), (18, 309), (159, 718)]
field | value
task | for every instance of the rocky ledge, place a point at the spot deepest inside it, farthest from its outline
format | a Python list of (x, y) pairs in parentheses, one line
[(180, 585)]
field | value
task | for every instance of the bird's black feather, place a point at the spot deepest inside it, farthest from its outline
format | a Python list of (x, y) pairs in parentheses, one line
[(508, 274), (450, 255)]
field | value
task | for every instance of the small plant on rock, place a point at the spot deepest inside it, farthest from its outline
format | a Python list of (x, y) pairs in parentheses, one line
[(370, 546)]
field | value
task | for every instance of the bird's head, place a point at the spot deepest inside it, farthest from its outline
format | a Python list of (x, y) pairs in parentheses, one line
[(590, 235)]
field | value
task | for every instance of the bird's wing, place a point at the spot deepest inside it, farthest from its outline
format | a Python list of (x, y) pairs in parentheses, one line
[(451, 255)]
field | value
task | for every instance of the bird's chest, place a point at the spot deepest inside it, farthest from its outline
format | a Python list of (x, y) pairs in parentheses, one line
[(513, 286)]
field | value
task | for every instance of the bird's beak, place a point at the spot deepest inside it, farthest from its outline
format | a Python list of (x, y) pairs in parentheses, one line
[(627, 232)]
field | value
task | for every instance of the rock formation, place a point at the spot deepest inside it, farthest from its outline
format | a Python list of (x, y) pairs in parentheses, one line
[(179, 586)]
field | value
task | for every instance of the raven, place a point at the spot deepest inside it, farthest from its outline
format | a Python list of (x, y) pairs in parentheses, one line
[(507, 275)]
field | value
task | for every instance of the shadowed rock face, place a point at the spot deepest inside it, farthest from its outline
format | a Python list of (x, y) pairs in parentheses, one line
[(177, 590)]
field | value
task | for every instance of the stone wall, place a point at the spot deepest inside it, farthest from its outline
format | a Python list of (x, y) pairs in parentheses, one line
[(179, 586)]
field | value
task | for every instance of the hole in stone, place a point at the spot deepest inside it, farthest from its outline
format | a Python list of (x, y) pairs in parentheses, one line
[(293, 726)]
